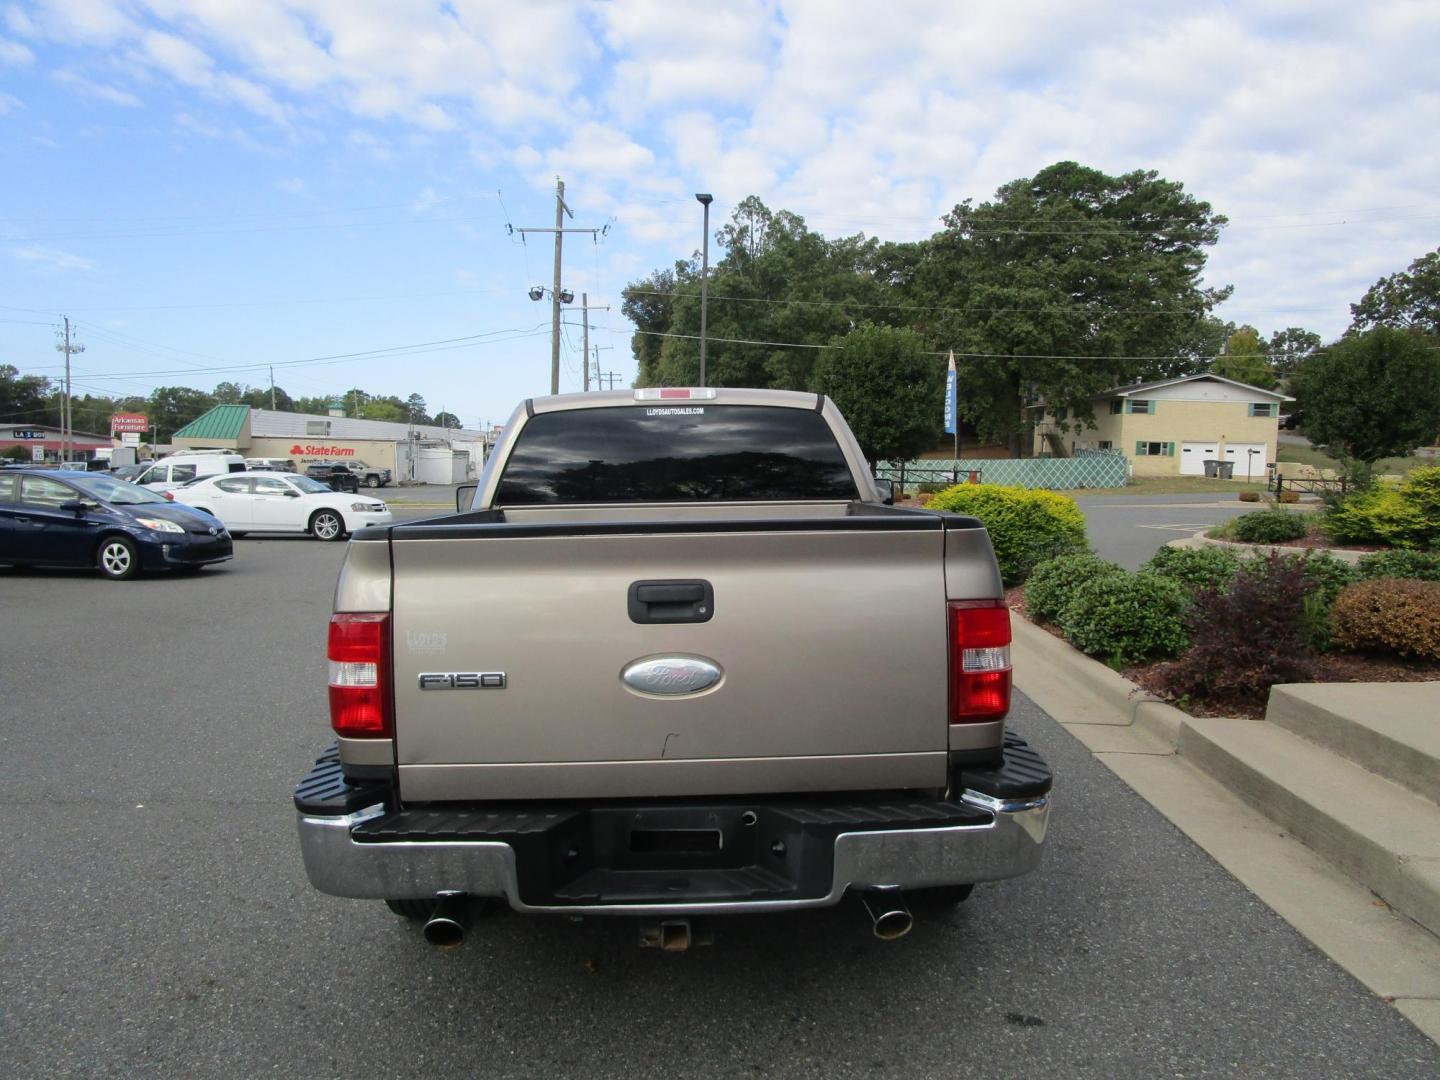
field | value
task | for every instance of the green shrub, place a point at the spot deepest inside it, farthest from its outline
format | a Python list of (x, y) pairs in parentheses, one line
[(1269, 527), (1394, 614), (1404, 516), (1026, 527), (1401, 564), (1123, 618), (1364, 517), (1247, 638), (1195, 568), (1052, 583)]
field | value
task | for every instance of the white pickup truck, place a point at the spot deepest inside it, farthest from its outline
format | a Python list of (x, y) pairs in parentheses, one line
[(678, 658)]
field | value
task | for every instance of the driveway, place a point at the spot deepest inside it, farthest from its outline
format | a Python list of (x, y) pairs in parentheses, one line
[(1128, 529), (158, 922)]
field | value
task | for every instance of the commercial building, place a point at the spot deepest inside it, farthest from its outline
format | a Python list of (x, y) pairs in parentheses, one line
[(42, 442), (420, 452)]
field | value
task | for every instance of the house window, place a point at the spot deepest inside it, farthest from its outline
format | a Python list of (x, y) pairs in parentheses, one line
[(317, 427), (1154, 449), (1267, 409), (1106, 444), (1116, 406), (1135, 405)]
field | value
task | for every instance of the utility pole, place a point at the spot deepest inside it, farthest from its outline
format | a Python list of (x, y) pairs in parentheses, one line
[(66, 430), (585, 315), (556, 292), (272, 387), (597, 349)]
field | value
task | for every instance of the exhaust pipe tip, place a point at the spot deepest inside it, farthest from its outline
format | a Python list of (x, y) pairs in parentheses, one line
[(890, 916), (445, 929)]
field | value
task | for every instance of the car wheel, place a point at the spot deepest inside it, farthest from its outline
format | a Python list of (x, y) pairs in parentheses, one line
[(939, 896), (372, 481), (118, 558), (327, 525)]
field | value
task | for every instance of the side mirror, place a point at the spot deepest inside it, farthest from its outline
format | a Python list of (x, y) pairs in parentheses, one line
[(76, 506), (886, 488), (464, 496)]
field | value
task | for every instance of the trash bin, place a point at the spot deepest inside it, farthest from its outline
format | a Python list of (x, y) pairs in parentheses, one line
[(1226, 469), (1212, 466)]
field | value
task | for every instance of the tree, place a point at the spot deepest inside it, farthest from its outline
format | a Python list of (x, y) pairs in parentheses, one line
[(1372, 395), (22, 397), (890, 390), (1244, 359), (229, 393), (415, 409), (446, 420), (1409, 300), (378, 408), (172, 407), (1289, 348), (777, 293), (1061, 287)]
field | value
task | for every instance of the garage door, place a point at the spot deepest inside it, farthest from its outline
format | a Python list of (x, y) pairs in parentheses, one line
[(1193, 455), (1248, 459)]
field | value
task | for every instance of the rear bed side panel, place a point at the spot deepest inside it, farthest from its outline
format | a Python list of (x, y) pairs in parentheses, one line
[(832, 646)]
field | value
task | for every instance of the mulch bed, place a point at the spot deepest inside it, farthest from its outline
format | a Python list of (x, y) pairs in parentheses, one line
[(1329, 667)]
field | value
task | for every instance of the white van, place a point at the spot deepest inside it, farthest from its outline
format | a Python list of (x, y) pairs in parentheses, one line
[(178, 469)]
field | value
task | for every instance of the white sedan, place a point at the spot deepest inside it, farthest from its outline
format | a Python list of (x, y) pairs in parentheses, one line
[(280, 502)]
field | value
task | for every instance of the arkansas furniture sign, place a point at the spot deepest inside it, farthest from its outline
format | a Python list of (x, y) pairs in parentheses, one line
[(123, 422)]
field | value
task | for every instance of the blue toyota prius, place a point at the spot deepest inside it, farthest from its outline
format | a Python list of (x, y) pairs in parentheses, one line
[(57, 518)]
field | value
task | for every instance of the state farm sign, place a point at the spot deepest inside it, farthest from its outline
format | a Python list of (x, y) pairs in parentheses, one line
[(322, 451), (122, 422)]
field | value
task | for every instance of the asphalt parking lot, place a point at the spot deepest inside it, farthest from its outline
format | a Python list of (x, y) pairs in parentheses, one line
[(158, 921)]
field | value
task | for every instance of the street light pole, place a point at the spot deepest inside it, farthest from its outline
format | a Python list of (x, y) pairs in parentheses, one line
[(704, 200)]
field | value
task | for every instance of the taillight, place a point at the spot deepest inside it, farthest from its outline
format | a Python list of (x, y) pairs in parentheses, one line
[(359, 653), (979, 660)]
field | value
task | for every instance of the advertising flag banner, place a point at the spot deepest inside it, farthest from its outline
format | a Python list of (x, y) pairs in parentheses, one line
[(950, 397)]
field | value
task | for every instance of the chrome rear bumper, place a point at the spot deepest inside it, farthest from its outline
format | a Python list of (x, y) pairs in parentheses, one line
[(1007, 845)]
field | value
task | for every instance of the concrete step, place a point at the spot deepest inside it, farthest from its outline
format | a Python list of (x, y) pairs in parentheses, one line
[(1392, 729), (1382, 834)]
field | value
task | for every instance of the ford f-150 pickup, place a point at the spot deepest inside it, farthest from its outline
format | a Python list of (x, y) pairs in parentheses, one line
[(679, 657)]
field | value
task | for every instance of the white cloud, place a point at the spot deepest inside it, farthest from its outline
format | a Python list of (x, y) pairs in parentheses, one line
[(96, 91), (9, 103), (15, 54), (49, 260)]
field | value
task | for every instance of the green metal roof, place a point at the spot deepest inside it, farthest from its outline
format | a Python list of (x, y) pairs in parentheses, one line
[(221, 422)]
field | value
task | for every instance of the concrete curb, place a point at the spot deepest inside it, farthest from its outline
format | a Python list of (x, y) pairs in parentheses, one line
[(1258, 550), (1199, 774)]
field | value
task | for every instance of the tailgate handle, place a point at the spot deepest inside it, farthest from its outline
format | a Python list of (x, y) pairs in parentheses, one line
[(671, 601)]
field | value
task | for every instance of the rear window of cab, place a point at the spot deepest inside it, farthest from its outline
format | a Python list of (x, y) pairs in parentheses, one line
[(665, 452)]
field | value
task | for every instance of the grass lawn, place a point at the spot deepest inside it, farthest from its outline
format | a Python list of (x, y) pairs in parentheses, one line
[(1310, 455)]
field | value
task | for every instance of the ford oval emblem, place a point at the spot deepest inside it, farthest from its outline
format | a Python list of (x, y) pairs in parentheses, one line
[(671, 676)]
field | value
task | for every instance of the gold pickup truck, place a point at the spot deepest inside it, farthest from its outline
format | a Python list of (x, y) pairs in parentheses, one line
[(679, 657)]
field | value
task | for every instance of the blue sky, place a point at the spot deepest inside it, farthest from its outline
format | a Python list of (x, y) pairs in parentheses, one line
[(210, 187)]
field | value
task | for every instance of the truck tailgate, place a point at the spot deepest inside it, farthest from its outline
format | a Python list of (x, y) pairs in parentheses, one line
[(829, 637)]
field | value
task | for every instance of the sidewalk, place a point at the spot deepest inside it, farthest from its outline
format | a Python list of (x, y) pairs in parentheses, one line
[(1326, 810)]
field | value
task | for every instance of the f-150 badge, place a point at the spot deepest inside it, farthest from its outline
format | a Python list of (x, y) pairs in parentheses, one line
[(462, 680), (671, 675)]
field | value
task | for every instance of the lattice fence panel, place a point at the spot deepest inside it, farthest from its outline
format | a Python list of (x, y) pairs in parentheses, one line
[(1090, 469)]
